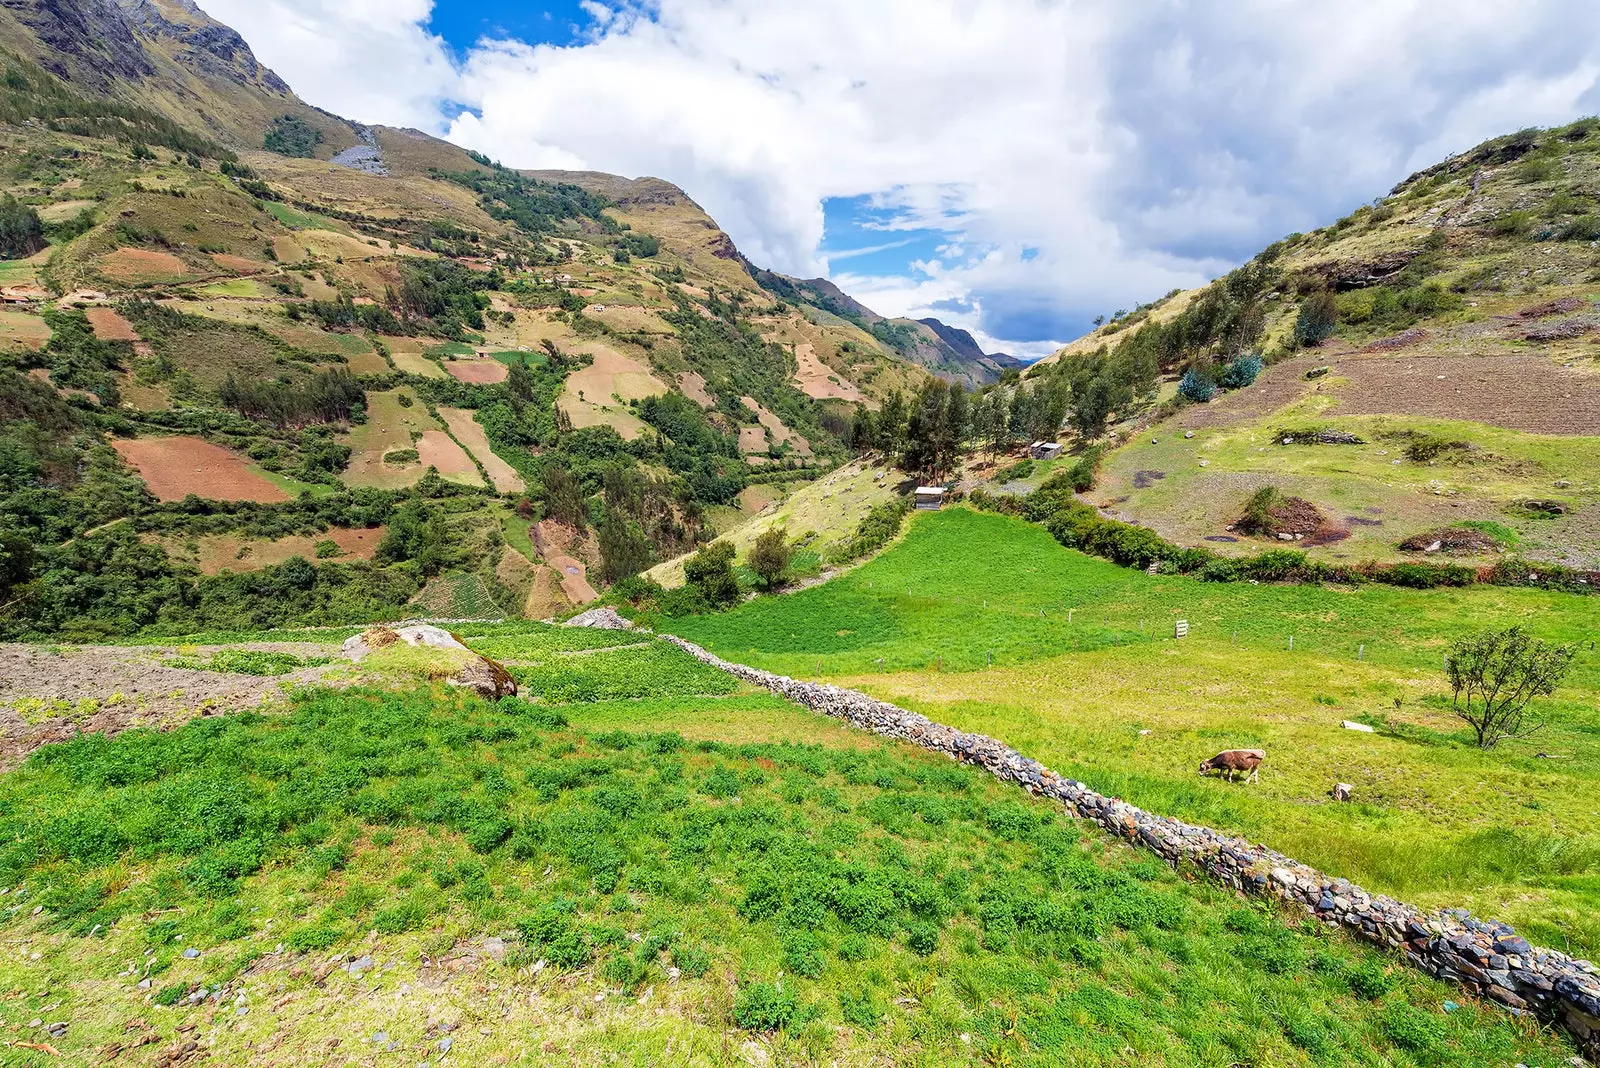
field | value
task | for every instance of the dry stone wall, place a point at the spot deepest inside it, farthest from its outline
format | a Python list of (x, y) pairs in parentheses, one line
[(1486, 958)]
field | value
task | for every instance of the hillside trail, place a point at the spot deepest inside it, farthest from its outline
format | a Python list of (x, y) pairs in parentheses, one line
[(54, 693)]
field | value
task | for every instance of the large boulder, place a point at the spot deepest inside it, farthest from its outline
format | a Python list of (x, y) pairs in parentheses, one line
[(457, 664)]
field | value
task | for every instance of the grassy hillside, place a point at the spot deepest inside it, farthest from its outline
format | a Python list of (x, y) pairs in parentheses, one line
[(1457, 313), (682, 879), (1085, 660)]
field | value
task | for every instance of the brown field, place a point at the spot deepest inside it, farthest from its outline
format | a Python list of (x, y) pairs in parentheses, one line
[(136, 266), (598, 394), (175, 467), (215, 553), (560, 548), (288, 250), (693, 385), (110, 326), (438, 450), (369, 363), (406, 352), (752, 499), (23, 330), (66, 209), (819, 381), (780, 434), (237, 264), (546, 598), (483, 372), (465, 427)]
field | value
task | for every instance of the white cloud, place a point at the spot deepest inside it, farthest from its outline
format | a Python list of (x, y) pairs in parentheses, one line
[(1135, 147)]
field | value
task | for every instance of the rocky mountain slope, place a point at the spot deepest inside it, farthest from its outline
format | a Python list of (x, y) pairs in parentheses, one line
[(1443, 339)]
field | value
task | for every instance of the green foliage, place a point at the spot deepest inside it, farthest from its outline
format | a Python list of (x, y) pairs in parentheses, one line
[(1242, 371), (248, 662), (765, 1007), (710, 573), (877, 528), (769, 557), (534, 206), (1197, 385), (1494, 675), (21, 232), (289, 135), (1318, 317), (1259, 512)]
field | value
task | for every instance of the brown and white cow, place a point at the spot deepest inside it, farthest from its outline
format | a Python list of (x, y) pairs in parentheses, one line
[(1232, 761)]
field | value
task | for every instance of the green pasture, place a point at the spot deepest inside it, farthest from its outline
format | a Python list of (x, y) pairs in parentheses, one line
[(1085, 658)]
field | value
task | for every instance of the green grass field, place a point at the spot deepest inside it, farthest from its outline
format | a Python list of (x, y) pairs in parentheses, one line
[(1084, 659), (687, 880)]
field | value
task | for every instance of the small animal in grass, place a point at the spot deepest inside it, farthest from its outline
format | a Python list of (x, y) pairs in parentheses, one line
[(1232, 761)]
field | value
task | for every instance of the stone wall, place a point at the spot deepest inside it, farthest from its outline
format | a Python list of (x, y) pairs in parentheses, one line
[(1486, 958)]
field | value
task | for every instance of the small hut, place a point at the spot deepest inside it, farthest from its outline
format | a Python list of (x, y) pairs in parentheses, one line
[(930, 498)]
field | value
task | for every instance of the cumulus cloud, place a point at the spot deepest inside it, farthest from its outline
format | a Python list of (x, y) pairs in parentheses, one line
[(1077, 156)]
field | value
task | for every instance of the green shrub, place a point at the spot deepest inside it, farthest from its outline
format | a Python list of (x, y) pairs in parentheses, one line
[(1372, 980), (171, 995), (765, 1007), (691, 961), (1412, 1029), (922, 938), (1197, 386), (314, 937), (860, 1009)]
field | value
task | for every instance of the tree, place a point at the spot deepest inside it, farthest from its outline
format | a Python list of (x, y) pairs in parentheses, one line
[(711, 572), (21, 232), (1493, 677), (1319, 314), (770, 556), (563, 497)]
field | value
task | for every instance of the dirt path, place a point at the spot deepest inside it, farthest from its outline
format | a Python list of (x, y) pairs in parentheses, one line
[(53, 693)]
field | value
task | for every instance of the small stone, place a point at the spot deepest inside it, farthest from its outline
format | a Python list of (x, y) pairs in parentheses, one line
[(191, 953), (359, 965), (446, 1044)]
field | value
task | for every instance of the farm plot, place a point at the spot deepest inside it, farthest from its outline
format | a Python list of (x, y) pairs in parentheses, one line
[(598, 395), (406, 352), (140, 266), (551, 666), (23, 330), (816, 379), (477, 371), (175, 467), (689, 868), (393, 426), (109, 325), (464, 428), (212, 554)]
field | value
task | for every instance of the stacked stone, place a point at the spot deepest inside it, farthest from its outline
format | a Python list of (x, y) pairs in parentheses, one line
[(1487, 959)]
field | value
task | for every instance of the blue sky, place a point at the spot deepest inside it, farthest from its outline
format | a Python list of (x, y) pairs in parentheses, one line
[(1016, 167)]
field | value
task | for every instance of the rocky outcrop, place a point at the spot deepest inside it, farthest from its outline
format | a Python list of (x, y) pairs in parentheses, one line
[(1484, 957), (600, 619), (463, 667)]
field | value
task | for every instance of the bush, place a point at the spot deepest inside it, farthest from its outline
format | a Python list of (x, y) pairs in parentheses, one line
[(710, 572), (1319, 314), (922, 938), (1372, 980), (1196, 386), (860, 1009), (691, 961), (1411, 1028), (1243, 371), (765, 1007), (1086, 471)]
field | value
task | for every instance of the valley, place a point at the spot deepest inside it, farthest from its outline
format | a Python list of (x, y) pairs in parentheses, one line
[(357, 491)]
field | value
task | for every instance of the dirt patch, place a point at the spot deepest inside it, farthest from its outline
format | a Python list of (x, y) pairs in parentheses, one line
[(557, 544), (1362, 521), (1289, 519), (135, 266), (781, 435), (175, 467), (1528, 393), (23, 330), (110, 326), (817, 380), (436, 449), (693, 385), (1227, 539), (1327, 535), (1404, 339), (467, 431), (50, 694), (483, 372), (1562, 331), (1451, 540), (1146, 479), (1552, 307)]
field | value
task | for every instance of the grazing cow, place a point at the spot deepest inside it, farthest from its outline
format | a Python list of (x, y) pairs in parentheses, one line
[(1232, 761)]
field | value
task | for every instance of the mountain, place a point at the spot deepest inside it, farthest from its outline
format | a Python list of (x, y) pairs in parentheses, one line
[(948, 352), (218, 292), (1446, 333)]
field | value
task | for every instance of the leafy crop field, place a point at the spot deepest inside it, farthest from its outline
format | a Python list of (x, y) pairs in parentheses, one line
[(1085, 659), (553, 665), (424, 872)]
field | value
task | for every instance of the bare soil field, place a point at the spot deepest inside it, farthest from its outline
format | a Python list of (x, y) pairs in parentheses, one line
[(556, 545), (693, 385), (1529, 393), (175, 467), (389, 426), (464, 425), (237, 264), (50, 694), (781, 434), (216, 553), (135, 266), (438, 450), (819, 381), (612, 377), (478, 371), (109, 325)]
